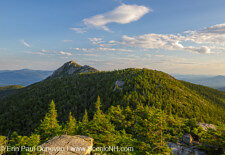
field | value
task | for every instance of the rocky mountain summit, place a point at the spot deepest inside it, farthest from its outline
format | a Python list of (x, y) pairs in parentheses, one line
[(72, 67)]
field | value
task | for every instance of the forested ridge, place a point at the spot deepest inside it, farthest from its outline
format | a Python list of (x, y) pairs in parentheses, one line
[(146, 96), (9, 90)]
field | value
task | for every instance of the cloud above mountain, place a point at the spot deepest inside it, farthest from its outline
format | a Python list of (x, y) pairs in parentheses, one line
[(213, 34), (123, 14), (203, 41), (65, 53), (216, 29), (164, 42)]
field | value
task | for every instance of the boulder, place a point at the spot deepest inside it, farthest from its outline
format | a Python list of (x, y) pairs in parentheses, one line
[(178, 149), (187, 139), (206, 126), (67, 145)]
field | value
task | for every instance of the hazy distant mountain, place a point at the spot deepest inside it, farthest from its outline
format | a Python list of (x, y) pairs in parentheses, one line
[(22, 77), (206, 80), (185, 77), (222, 89)]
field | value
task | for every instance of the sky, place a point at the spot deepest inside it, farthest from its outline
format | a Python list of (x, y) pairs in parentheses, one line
[(174, 36)]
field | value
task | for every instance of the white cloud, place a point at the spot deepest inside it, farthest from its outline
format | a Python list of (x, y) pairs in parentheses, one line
[(201, 50), (203, 41), (82, 49), (65, 53), (77, 49), (160, 41), (96, 41), (123, 14), (153, 41), (112, 49), (37, 53), (90, 55), (211, 35), (43, 50), (101, 46), (112, 41), (99, 42), (25, 43), (79, 30), (216, 29)]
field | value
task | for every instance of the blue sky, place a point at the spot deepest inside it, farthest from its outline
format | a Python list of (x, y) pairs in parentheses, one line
[(175, 36)]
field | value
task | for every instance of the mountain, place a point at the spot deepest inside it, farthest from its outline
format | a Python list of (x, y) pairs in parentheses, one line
[(190, 77), (22, 77), (216, 82), (141, 108), (10, 87), (222, 89), (9, 90), (72, 67), (79, 86)]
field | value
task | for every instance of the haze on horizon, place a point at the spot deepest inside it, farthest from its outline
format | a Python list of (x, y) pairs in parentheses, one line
[(177, 37)]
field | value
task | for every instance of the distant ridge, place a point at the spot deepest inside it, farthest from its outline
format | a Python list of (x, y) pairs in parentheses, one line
[(10, 87), (23, 77), (9, 90), (217, 82), (72, 67), (76, 92)]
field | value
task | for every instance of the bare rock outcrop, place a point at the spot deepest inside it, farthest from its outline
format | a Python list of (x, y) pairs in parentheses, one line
[(67, 145), (119, 84), (206, 126), (186, 146), (72, 67), (178, 149), (187, 139)]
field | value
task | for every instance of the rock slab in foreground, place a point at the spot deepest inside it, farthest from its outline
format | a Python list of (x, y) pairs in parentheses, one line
[(68, 145)]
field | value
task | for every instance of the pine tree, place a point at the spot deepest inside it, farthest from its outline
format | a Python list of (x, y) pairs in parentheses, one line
[(149, 128), (98, 112), (71, 125), (3, 144), (100, 128), (14, 140), (98, 103), (85, 117), (18, 141), (34, 140), (82, 125), (49, 126)]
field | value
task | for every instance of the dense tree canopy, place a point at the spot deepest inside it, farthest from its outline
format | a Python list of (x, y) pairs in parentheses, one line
[(78, 92), (149, 110)]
